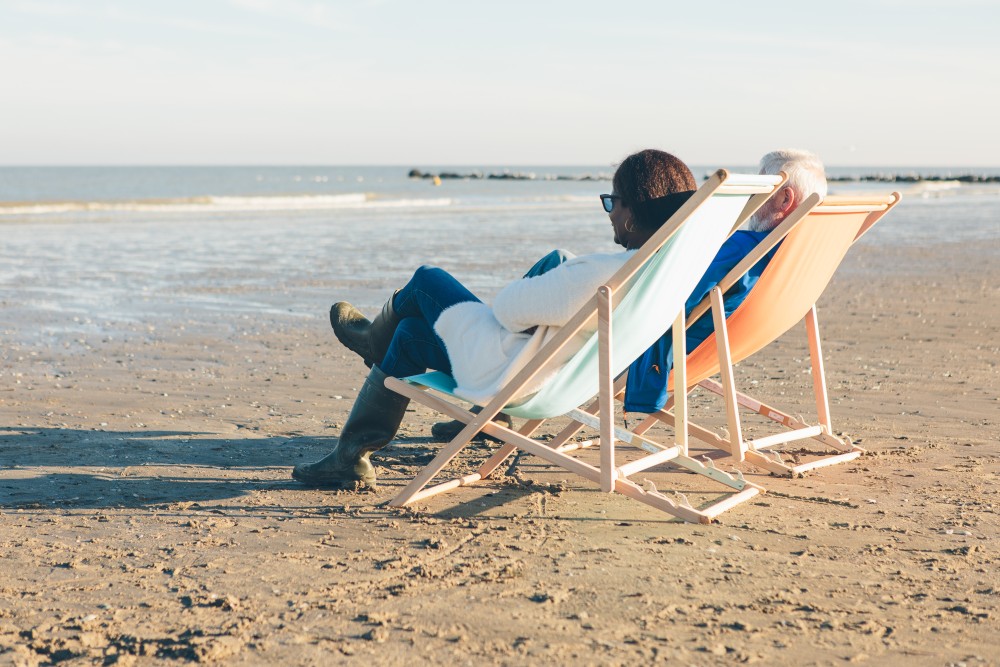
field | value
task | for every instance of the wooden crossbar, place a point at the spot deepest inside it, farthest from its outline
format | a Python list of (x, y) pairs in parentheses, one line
[(647, 462), (788, 436)]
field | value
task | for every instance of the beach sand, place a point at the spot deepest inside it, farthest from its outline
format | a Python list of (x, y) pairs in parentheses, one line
[(147, 515)]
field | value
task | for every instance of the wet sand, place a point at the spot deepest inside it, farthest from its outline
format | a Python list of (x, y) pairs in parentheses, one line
[(147, 516)]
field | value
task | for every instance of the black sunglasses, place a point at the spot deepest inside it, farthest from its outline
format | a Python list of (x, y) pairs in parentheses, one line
[(608, 201)]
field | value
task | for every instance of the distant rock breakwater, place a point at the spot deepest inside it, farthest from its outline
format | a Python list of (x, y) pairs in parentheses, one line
[(508, 175), (915, 178)]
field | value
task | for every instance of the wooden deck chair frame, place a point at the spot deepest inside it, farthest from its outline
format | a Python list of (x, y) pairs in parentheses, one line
[(755, 450), (714, 302), (610, 477)]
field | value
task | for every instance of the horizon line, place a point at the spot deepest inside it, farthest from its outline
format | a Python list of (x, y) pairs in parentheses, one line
[(255, 165)]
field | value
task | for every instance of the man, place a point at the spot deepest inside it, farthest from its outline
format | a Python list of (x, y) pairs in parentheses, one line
[(646, 387)]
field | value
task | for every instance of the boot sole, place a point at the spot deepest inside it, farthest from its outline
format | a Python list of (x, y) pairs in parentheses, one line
[(318, 482), (344, 337)]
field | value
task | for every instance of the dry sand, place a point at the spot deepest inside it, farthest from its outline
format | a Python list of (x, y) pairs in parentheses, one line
[(147, 516)]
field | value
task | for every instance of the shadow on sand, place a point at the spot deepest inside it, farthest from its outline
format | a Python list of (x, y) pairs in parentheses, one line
[(61, 470), (44, 468)]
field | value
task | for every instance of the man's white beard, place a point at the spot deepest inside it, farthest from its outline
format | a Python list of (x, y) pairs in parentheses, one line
[(761, 220)]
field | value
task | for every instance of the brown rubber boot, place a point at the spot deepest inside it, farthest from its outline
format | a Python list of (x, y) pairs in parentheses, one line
[(374, 420), (446, 431), (369, 339)]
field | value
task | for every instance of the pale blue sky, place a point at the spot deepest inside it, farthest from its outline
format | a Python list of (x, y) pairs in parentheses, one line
[(423, 82)]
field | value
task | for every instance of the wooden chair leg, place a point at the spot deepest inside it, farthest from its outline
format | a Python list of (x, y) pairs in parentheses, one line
[(738, 450), (606, 394), (680, 383), (818, 375)]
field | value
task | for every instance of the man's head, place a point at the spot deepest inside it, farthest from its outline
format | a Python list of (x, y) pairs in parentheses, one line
[(805, 176)]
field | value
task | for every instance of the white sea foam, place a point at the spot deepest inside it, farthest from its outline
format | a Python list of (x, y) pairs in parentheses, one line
[(933, 188), (222, 204), (409, 203)]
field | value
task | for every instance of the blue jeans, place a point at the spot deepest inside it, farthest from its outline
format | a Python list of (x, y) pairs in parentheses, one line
[(415, 347)]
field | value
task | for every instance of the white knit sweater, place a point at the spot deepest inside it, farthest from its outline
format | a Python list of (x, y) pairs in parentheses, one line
[(485, 345)]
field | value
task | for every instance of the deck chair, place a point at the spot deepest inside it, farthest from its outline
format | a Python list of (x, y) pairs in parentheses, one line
[(641, 301), (785, 293)]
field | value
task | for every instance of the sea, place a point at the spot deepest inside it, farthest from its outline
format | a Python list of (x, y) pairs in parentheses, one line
[(116, 250)]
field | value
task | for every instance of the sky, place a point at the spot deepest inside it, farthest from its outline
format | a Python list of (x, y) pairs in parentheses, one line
[(436, 82)]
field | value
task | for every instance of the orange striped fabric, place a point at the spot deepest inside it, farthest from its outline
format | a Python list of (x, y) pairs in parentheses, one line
[(792, 282)]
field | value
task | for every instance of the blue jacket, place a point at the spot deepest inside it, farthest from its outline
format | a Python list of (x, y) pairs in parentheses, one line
[(646, 387)]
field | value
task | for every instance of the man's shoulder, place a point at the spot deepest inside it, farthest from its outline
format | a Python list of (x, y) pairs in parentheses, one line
[(747, 237), (740, 243)]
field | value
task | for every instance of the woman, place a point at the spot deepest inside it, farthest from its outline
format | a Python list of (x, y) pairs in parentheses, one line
[(435, 322)]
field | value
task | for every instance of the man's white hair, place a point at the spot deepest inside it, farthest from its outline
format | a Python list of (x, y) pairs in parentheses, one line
[(806, 175)]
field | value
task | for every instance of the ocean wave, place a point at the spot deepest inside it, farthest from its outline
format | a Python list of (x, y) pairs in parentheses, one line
[(222, 204), (945, 189), (928, 189)]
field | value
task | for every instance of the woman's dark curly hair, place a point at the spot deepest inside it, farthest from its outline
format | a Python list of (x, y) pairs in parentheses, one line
[(648, 175)]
